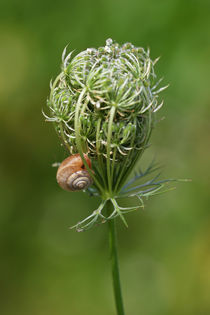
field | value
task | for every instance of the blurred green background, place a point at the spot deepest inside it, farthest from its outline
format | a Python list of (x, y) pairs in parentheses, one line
[(46, 269)]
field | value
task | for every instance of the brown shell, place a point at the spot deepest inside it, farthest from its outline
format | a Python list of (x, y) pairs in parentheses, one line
[(72, 174)]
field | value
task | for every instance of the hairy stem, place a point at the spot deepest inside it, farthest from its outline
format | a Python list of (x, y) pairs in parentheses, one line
[(114, 262)]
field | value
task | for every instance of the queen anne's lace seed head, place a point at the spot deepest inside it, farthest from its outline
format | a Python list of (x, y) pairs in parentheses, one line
[(103, 103), (119, 76)]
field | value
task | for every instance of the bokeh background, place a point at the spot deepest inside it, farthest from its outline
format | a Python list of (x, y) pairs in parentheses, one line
[(47, 269)]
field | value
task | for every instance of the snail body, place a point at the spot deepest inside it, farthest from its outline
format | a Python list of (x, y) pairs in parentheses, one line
[(72, 174)]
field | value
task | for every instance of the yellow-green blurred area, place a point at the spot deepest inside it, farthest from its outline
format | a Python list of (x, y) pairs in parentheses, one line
[(47, 269)]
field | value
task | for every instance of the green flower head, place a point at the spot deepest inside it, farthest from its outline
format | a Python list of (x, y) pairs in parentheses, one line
[(103, 104)]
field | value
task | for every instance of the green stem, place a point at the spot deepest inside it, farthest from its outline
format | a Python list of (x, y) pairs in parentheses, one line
[(109, 139), (99, 157), (78, 138), (122, 180), (123, 168), (114, 262)]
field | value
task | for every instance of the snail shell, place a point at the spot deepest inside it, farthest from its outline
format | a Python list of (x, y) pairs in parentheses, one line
[(72, 175)]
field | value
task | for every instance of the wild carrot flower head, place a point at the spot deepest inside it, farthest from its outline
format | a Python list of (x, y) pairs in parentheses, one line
[(103, 103)]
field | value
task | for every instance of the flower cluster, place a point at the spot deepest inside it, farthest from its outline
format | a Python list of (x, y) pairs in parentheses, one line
[(103, 103)]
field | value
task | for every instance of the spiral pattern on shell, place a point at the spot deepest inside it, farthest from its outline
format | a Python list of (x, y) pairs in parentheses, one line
[(72, 175), (79, 181)]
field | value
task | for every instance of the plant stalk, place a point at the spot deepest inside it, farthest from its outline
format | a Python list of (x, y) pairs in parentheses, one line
[(114, 262)]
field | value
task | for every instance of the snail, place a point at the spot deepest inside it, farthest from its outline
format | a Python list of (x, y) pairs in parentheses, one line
[(72, 174)]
